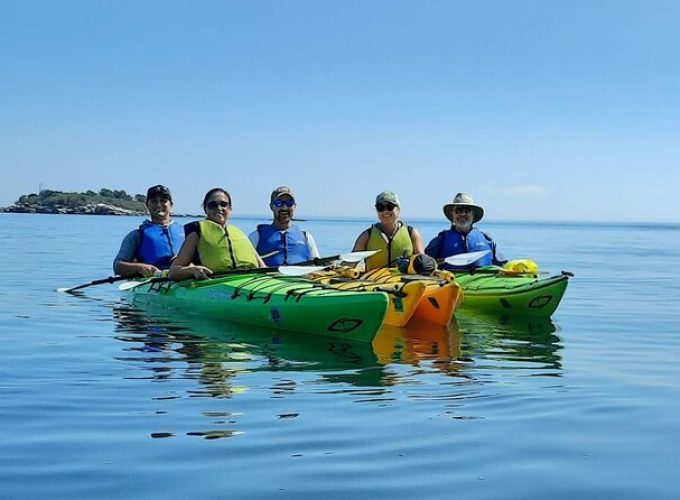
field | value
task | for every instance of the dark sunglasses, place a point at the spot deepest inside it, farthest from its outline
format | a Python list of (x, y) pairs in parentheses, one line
[(381, 207), (212, 205), (158, 199), (462, 210), (281, 203)]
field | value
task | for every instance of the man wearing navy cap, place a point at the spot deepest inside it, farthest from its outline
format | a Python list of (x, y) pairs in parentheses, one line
[(282, 242), (150, 248)]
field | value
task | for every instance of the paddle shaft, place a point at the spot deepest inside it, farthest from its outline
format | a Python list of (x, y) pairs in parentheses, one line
[(255, 270), (348, 257), (284, 270), (110, 279)]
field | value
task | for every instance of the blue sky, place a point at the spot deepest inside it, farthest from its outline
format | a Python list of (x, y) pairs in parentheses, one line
[(541, 110)]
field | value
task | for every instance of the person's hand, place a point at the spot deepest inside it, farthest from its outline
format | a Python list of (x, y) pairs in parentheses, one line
[(403, 264), (200, 272), (148, 271)]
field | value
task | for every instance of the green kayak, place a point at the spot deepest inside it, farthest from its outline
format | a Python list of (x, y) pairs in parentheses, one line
[(273, 301), (511, 295)]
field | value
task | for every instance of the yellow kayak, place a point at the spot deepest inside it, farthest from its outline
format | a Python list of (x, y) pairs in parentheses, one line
[(438, 302), (405, 297)]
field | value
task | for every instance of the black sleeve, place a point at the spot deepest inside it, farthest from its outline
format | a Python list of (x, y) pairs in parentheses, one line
[(192, 227), (434, 247)]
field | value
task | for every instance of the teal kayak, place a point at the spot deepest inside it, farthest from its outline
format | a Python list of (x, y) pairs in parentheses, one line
[(273, 301), (511, 295)]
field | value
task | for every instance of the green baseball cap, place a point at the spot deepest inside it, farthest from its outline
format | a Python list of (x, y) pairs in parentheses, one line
[(388, 197)]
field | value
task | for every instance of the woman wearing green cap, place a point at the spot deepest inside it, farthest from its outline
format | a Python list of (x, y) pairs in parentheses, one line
[(390, 235)]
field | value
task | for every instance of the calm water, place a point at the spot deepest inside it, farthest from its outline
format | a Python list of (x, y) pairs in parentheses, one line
[(99, 399)]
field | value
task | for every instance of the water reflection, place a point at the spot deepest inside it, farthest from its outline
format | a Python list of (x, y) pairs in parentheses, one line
[(212, 351), (422, 345), (225, 359), (521, 342), (205, 340)]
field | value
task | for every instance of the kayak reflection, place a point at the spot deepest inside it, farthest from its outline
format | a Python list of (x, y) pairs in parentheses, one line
[(214, 351), (511, 339), (419, 341)]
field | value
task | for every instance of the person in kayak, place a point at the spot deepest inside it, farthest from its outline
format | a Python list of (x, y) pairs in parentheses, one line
[(212, 245), (152, 246), (462, 236), (282, 242), (390, 235)]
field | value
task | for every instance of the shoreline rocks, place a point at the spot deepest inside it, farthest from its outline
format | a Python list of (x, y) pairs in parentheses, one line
[(89, 209)]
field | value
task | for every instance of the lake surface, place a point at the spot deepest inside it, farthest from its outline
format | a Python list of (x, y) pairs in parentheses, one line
[(99, 399)]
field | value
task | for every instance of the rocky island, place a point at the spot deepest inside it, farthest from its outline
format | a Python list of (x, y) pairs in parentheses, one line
[(104, 202)]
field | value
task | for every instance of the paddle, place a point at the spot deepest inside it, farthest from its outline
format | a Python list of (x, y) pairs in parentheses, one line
[(464, 259), (499, 271), (110, 279), (285, 270), (270, 254), (346, 257)]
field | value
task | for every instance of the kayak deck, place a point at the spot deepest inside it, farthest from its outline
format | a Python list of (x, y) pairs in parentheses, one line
[(404, 297), (275, 301), (512, 295)]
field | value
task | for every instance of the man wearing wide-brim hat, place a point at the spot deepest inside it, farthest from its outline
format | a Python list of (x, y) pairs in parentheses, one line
[(462, 236)]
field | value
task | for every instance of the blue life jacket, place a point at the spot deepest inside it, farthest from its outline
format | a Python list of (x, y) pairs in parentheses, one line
[(454, 243), (290, 245), (158, 245)]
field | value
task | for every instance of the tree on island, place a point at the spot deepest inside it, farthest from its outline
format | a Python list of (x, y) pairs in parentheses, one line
[(57, 199)]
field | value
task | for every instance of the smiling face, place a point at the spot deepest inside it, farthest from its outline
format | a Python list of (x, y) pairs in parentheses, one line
[(462, 218), (283, 209), (159, 209), (218, 207), (388, 213)]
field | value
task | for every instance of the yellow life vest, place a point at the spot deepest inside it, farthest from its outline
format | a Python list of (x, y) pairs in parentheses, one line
[(399, 245), (225, 248)]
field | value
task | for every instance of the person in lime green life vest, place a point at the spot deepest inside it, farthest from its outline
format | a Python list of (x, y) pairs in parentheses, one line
[(151, 247), (390, 235), (212, 245), (281, 242)]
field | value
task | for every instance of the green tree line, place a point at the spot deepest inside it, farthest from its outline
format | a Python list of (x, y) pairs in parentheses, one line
[(118, 198)]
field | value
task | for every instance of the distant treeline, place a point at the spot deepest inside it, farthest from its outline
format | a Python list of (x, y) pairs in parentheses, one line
[(50, 198)]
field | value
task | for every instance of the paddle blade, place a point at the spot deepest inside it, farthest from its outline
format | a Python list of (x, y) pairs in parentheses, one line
[(128, 285), (465, 259), (357, 256), (299, 270)]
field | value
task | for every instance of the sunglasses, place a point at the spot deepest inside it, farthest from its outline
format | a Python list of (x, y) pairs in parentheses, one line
[(381, 207), (158, 199), (212, 205), (462, 210), (282, 203)]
